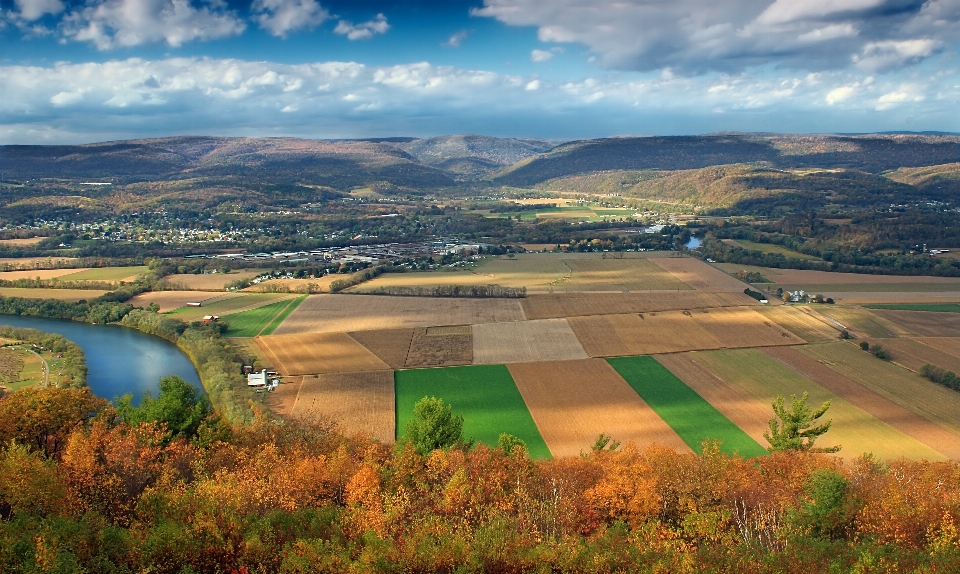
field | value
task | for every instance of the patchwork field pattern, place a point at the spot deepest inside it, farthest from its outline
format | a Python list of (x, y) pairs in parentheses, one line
[(861, 322), (485, 395), (677, 331), (557, 306), (924, 323), (319, 353), (573, 402), (227, 305), (913, 354), (875, 404), (171, 300), (440, 347), (762, 377), (525, 341), (700, 275), (801, 323), (342, 313), (619, 275), (390, 345), (358, 402)]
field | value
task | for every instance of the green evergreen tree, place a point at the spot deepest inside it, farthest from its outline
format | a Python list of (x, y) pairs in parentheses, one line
[(434, 426), (795, 430), (179, 405)]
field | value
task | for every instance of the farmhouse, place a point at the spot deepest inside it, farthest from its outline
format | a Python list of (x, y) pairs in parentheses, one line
[(257, 379)]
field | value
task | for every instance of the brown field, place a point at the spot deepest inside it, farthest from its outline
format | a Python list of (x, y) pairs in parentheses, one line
[(525, 341), (700, 275), (923, 323), (536, 272), (751, 415), (41, 273), (801, 322), (907, 422), (20, 242), (227, 304), (808, 277), (937, 404), (358, 402), (282, 399), (619, 275), (319, 285), (912, 354), (573, 402), (949, 345), (320, 353), (390, 345), (208, 282), (677, 331), (860, 322), (249, 352), (170, 300), (17, 263), (60, 294), (440, 347), (871, 297), (341, 313), (581, 304)]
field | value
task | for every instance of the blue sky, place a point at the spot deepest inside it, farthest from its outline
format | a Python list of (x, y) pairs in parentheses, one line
[(76, 71)]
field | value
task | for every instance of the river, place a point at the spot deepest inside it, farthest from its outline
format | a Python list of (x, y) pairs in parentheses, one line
[(120, 360), (693, 243)]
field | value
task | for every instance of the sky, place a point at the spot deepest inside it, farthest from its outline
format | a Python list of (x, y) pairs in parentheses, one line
[(78, 71)]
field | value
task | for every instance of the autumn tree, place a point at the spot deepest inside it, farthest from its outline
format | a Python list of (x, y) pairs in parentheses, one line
[(795, 430), (42, 418), (434, 426)]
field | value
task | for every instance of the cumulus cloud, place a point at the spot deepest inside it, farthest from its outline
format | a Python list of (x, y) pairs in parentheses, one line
[(540, 55), (691, 36), (457, 38), (363, 31), (111, 23), (31, 10), (280, 17)]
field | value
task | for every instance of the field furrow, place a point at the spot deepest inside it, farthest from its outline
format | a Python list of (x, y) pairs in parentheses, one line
[(525, 341), (320, 353), (358, 402)]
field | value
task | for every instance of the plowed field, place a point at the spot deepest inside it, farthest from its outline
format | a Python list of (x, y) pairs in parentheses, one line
[(573, 402), (583, 304), (700, 275), (525, 341), (949, 345), (801, 323), (619, 275), (320, 353), (440, 347), (342, 313), (357, 402), (924, 323), (913, 354), (390, 345), (861, 322)]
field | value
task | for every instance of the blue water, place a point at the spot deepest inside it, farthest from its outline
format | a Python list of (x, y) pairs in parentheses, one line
[(120, 360), (693, 243)]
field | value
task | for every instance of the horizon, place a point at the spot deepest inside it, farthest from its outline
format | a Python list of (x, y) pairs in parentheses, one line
[(84, 71)]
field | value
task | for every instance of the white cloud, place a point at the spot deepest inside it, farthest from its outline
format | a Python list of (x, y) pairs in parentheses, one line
[(840, 94), (31, 10), (887, 55), (363, 31), (532, 85), (540, 56), (279, 17), (111, 23), (456, 39), (784, 11)]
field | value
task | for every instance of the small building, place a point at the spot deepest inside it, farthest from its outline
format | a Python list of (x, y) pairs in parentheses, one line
[(193, 304), (211, 318), (257, 379)]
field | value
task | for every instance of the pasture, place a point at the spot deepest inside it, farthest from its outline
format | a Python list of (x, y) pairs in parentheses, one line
[(573, 402), (59, 294), (314, 353), (262, 320), (693, 418), (485, 395), (525, 341), (360, 403)]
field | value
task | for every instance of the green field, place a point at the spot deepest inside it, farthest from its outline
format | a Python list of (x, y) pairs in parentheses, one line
[(485, 395), (230, 304), (267, 318), (938, 307), (105, 274), (771, 248), (687, 413)]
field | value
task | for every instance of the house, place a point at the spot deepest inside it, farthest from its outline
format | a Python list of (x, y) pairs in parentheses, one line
[(257, 379), (211, 318)]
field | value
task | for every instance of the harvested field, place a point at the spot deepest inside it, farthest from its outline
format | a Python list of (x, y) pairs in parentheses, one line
[(693, 418), (573, 402), (440, 347), (677, 331), (801, 277), (750, 415), (619, 275), (485, 395), (41, 273), (282, 399), (888, 297), (912, 354), (389, 345), (923, 323), (11, 363), (700, 275), (581, 304), (801, 323), (525, 341), (358, 402), (59, 294), (228, 304), (938, 307), (909, 390), (21, 242), (170, 300), (341, 313), (23, 263), (860, 322), (949, 345), (319, 285), (207, 282), (106, 274), (533, 271), (762, 377), (319, 353), (907, 422)]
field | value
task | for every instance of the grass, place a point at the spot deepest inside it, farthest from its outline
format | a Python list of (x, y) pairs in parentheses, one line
[(59, 294), (105, 274), (262, 319), (230, 304), (938, 307), (771, 248), (485, 395), (688, 414)]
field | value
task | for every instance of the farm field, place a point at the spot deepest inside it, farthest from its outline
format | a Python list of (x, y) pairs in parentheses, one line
[(873, 403), (573, 402), (677, 331), (209, 281), (800, 322), (949, 345), (106, 274), (909, 390), (251, 354), (228, 304), (525, 341), (535, 272), (762, 377), (21, 242), (262, 319), (810, 277), (172, 300), (359, 402), (342, 313), (938, 307), (619, 275), (770, 248), (485, 395), (558, 306), (440, 347), (860, 322), (389, 345), (60, 294), (318, 285), (24, 263), (41, 273), (315, 353), (912, 354), (923, 323), (891, 297), (693, 418), (699, 275)]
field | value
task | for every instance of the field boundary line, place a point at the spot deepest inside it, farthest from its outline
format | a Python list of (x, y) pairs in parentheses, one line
[(270, 324)]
